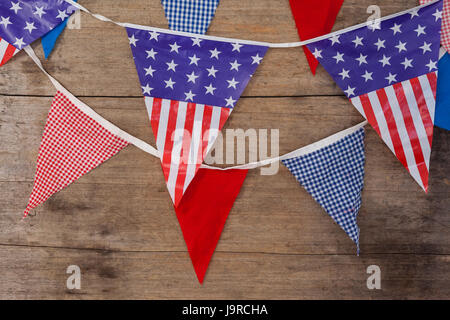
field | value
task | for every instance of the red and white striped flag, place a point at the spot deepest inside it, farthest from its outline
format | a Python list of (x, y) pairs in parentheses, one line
[(73, 143), (388, 70), (7, 51), (184, 133)]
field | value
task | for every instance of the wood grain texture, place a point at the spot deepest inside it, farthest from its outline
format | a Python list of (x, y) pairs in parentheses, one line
[(89, 60), (118, 224)]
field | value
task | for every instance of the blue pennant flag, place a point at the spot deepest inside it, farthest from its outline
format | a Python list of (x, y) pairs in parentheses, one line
[(189, 15), (48, 41), (334, 176), (442, 116), (24, 21)]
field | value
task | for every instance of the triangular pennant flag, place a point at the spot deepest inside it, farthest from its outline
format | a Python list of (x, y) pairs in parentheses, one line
[(7, 51), (313, 19), (72, 144), (442, 117), (49, 40), (191, 85), (388, 71), (203, 211), (445, 33), (24, 21), (334, 176), (190, 16)]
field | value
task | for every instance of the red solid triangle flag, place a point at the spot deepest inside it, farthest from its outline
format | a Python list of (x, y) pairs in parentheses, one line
[(314, 19), (203, 211)]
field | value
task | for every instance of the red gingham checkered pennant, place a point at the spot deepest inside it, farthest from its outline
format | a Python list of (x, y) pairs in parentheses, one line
[(445, 33), (72, 144)]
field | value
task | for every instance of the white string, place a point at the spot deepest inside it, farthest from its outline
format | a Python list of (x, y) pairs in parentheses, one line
[(152, 151), (267, 44)]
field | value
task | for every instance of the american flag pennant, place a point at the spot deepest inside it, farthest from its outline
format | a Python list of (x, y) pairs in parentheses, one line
[(24, 21), (388, 70), (334, 176), (445, 33), (190, 16), (191, 84), (73, 144)]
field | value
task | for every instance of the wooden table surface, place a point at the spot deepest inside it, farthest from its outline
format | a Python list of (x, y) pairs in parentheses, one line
[(118, 224)]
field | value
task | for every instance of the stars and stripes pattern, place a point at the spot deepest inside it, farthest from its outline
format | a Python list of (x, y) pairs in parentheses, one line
[(184, 133), (23, 21), (445, 33), (190, 16), (388, 71), (72, 144), (334, 177), (7, 51), (191, 84)]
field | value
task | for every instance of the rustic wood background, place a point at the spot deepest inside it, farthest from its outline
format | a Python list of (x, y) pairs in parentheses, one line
[(117, 223)]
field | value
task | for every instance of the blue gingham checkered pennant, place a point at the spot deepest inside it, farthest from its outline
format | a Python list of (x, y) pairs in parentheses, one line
[(190, 15), (334, 177)]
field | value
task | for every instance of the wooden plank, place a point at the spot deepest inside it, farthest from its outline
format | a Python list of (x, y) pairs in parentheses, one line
[(96, 60), (396, 217), (40, 273)]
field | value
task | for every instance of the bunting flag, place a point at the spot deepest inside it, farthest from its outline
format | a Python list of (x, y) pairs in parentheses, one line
[(49, 40), (73, 143), (442, 117), (190, 86), (7, 51), (190, 16), (388, 71), (23, 21), (203, 211), (445, 33), (313, 19), (333, 175)]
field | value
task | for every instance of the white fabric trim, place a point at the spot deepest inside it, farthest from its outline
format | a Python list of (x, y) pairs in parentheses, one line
[(91, 113), (299, 152), (267, 44)]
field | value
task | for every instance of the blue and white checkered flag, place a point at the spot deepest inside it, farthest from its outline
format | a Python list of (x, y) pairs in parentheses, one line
[(333, 175), (190, 15)]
